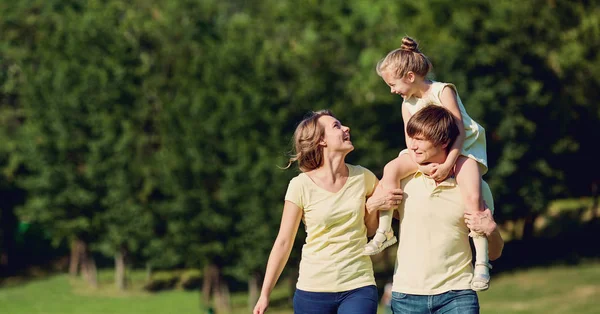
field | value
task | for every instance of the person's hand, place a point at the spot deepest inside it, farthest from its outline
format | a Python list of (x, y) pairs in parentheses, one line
[(429, 168), (440, 172), (481, 221), (384, 199), (261, 305)]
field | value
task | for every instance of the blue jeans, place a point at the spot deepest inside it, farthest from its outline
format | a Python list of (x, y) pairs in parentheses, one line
[(451, 302), (358, 301)]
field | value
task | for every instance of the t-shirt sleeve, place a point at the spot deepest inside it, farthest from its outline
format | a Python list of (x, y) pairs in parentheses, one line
[(294, 192), (486, 193), (370, 181)]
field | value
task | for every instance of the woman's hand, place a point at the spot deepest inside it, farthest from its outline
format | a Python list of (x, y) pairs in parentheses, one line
[(261, 305), (384, 199)]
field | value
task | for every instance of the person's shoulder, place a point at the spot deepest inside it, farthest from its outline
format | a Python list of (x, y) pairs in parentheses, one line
[(358, 170), (408, 179), (439, 87), (298, 179)]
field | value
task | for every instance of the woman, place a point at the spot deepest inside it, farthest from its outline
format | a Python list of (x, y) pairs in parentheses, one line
[(329, 197)]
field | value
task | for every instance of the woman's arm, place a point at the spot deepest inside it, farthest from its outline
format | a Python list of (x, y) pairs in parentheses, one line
[(280, 253), (371, 217)]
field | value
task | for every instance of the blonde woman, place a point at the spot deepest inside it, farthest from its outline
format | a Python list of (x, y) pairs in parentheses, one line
[(329, 196)]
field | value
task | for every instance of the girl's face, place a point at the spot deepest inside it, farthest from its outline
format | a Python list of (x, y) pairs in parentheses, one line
[(400, 86), (337, 136)]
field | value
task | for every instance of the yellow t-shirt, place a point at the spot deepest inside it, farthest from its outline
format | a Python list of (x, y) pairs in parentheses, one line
[(474, 145), (335, 232), (434, 255)]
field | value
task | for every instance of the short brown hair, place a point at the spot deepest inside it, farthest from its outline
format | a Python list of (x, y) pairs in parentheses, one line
[(307, 151), (435, 124)]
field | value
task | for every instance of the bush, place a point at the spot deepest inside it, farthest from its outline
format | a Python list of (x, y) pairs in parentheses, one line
[(162, 281), (191, 279)]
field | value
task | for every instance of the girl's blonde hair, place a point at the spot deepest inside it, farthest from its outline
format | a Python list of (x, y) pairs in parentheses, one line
[(405, 59), (307, 151)]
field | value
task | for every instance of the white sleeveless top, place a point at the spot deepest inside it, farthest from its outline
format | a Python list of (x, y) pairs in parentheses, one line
[(474, 146)]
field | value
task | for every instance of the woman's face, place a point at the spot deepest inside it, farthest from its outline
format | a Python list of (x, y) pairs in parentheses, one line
[(398, 86), (337, 136)]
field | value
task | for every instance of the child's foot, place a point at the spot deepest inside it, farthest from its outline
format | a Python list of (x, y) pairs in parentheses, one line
[(481, 276), (380, 242)]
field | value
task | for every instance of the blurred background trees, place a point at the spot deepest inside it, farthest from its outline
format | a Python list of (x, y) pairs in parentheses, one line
[(150, 133)]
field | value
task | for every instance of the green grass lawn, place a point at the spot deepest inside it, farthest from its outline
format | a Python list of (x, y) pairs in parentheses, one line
[(559, 289)]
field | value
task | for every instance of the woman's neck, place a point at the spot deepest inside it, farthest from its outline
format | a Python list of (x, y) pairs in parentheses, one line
[(332, 169)]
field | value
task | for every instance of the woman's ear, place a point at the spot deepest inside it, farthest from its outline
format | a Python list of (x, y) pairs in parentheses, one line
[(410, 76)]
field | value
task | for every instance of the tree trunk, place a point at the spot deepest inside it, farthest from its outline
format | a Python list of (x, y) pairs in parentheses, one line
[(210, 275), (215, 286), (92, 272), (148, 272), (77, 247), (120, 268), (595, 199), (88, 266), (222, 297), (253, 290), (528, 227)]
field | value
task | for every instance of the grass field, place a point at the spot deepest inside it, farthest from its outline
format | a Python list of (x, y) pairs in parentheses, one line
[(559, 289)]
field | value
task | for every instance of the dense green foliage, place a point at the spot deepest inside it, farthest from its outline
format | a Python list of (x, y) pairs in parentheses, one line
[(158, 127)]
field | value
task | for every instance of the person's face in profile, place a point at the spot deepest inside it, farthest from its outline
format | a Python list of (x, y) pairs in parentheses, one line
[(426, 152), (337, 136)]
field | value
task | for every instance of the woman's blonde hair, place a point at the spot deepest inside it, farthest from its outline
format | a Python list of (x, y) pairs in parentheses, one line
[(307, 151), (405, 59)]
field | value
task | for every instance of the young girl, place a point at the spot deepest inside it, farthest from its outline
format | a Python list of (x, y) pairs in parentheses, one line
[(329, 197), (405, 70)]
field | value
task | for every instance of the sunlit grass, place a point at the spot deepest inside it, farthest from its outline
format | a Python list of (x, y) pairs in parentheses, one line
[(557, 289)]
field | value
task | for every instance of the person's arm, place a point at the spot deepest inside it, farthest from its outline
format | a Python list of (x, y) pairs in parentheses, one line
[(483, 222), (450, 102), (371, 217), (495, 244), (387, 194), (280, 253), (405, 117)]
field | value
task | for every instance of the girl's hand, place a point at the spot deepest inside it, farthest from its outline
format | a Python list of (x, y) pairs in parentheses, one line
[(261, 305), (428, 169), (441, 172)]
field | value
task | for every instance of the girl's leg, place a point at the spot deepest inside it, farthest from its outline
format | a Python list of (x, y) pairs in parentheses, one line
[(468, 177), (396, 170)]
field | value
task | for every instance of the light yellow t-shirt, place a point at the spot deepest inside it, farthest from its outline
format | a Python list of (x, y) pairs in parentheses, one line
[(474, 146), (335, 232), (434, 255)]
